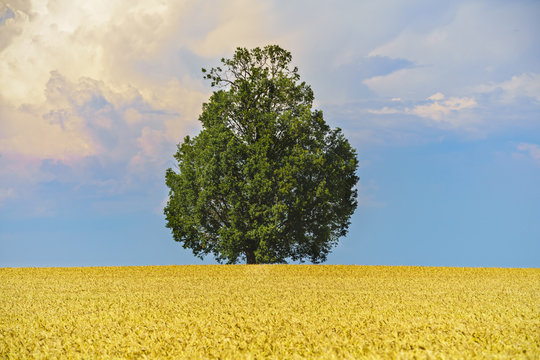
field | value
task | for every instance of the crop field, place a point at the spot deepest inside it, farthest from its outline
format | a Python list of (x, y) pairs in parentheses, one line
[(269, 311)]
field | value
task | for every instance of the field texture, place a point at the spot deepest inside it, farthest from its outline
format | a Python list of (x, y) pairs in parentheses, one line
[(259, 311)]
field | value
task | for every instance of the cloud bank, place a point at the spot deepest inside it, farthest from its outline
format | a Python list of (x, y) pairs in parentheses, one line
[(97, 95), (107, 88)]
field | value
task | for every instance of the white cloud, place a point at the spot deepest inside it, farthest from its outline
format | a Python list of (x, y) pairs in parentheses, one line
[(532, 150), (437, 96), (384, 111), (526, 85), (439, 110), (31, 131), (410, 83), (101, 46), (435, 108), (97, 94), (239, 24), (104, 79), (108, 87), (478, 42)]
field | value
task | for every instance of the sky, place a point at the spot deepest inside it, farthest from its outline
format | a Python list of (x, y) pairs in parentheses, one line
[(440, 99)]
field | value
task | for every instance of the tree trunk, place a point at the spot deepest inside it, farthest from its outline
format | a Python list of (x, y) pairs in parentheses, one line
[(250, 257)]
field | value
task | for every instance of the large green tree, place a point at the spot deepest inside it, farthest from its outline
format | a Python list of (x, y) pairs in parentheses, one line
[(266, 179)]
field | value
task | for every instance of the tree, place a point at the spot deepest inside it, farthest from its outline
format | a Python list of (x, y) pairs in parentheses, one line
[(266, 179)]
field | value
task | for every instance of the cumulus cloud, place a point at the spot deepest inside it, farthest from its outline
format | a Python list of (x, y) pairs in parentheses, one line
[(33, 131), (107, 88), (95, 96), (79, 119)]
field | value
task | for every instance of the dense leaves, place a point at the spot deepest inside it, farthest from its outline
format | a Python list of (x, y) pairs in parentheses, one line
[(266, 179)]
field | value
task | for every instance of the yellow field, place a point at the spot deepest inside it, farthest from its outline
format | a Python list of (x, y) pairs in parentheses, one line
[(269, 311)]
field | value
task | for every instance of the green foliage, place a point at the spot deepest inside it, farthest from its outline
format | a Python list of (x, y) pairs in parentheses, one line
[(266, 179)]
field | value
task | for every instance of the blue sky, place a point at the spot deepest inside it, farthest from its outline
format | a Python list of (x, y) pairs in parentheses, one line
[(442, 102)]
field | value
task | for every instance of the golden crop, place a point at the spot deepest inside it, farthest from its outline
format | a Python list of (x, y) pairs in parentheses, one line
[(269, 311)]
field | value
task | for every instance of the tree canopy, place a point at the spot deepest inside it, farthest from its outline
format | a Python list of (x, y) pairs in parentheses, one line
[(266, 179)]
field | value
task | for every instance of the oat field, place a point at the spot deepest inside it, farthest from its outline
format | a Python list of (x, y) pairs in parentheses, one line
[(269, 311)]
